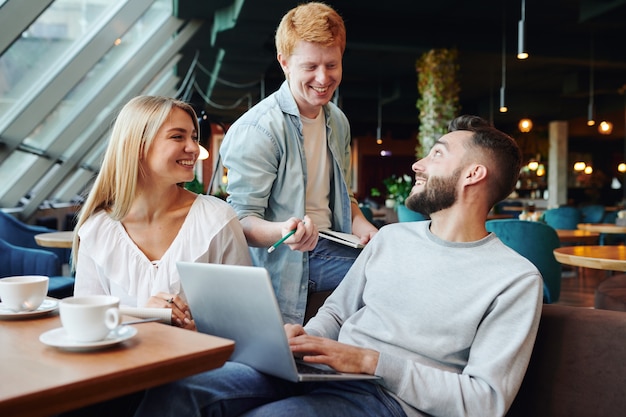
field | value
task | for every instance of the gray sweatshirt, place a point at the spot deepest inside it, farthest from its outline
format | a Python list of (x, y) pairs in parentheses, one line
[(455, 323)]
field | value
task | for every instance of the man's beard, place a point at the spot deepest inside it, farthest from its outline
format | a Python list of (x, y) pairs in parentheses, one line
[(439, 193)]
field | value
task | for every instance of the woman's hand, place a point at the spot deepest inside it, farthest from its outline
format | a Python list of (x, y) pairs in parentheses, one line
[(181, 314)]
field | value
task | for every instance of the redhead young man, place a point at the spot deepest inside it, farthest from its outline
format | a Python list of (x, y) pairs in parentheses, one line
[(288, 161)]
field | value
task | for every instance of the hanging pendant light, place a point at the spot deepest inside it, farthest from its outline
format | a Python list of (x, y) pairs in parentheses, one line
[(525, 125), (541, 170), (503, 107), (605, 128), (590, 107), (204, 153), (521, 34), (379, 128)]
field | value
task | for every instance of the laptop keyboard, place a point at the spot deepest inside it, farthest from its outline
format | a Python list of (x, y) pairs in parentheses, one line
[(303, 368)]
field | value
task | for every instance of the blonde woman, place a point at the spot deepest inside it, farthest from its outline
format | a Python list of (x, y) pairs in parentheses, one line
[(138, 220)]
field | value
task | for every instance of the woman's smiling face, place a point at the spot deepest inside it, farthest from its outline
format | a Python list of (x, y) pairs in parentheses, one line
[(174, 151)]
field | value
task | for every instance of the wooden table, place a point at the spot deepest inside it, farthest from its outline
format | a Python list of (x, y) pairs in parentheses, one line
[(578, 236), (602, 227), (39, 380), (55, 239), (612, 258)]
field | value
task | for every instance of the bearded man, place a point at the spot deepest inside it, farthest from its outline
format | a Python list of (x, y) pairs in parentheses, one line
[(441, 310)]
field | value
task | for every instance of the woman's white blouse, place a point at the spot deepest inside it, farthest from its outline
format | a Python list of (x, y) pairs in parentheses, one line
[(109, 262)]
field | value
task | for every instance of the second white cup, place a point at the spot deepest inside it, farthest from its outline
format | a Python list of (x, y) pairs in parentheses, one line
[(89, 318), (23, 293)]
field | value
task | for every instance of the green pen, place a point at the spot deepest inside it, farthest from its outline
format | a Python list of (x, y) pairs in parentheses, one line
[(277, 244)]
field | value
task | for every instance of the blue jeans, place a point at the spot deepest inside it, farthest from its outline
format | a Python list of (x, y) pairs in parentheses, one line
[(238, 390), (328, 264)]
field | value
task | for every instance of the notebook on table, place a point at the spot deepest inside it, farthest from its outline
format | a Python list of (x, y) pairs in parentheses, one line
[(238, 303)]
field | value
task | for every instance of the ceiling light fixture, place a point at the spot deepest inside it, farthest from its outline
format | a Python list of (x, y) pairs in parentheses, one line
[(503, 108), (615, 184), (525, 125), (379, 128), (605, 128), (521, 34), (204, 153), (541, 170), (590, 109), (622, 167)]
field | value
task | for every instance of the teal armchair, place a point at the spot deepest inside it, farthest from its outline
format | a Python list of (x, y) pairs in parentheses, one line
[(564, 217), (535, 241), (22, 234), (405, 214), (592, 213), (15, 260)]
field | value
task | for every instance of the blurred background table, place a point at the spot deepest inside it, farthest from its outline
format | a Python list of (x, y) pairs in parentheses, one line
[(578, 236), (55, 239), (602, 227), (609, 257)]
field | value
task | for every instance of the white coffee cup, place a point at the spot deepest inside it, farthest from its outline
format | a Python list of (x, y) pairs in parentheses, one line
[(89, 318), (23, 293)]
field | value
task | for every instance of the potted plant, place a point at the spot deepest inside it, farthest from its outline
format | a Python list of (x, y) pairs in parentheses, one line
[(439, 96), (195, 185), (398, 189)]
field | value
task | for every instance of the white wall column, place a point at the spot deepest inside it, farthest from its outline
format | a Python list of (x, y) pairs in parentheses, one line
[(557, 163)]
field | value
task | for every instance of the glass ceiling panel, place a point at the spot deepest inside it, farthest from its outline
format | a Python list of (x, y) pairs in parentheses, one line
[(48, 132), (14, 166), (111, 62), (56, 30)]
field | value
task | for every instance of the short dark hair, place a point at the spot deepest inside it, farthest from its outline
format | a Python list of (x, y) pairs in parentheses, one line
[(503, 153)]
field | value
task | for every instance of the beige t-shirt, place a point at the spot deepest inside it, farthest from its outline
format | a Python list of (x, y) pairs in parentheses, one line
[(318, 163)]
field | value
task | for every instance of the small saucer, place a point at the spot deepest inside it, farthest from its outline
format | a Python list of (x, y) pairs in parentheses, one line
[(46, 307), (58, 338)]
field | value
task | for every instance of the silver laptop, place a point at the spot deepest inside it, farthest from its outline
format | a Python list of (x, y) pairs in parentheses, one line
[(238, 303)]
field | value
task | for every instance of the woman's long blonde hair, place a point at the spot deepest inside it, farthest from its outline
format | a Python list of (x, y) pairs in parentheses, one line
[(131, 138)]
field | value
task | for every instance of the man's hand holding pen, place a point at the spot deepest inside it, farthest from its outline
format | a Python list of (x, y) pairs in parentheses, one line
[(303, 234)]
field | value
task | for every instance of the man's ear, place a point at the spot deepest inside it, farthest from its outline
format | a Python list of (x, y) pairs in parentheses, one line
[(475, 173), (284, 64)]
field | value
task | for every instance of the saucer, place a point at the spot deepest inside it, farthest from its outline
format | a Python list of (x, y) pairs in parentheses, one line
[(46, 307), (58, 338)]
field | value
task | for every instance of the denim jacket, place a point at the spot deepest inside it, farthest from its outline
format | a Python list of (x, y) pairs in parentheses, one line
[(264, 154)]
